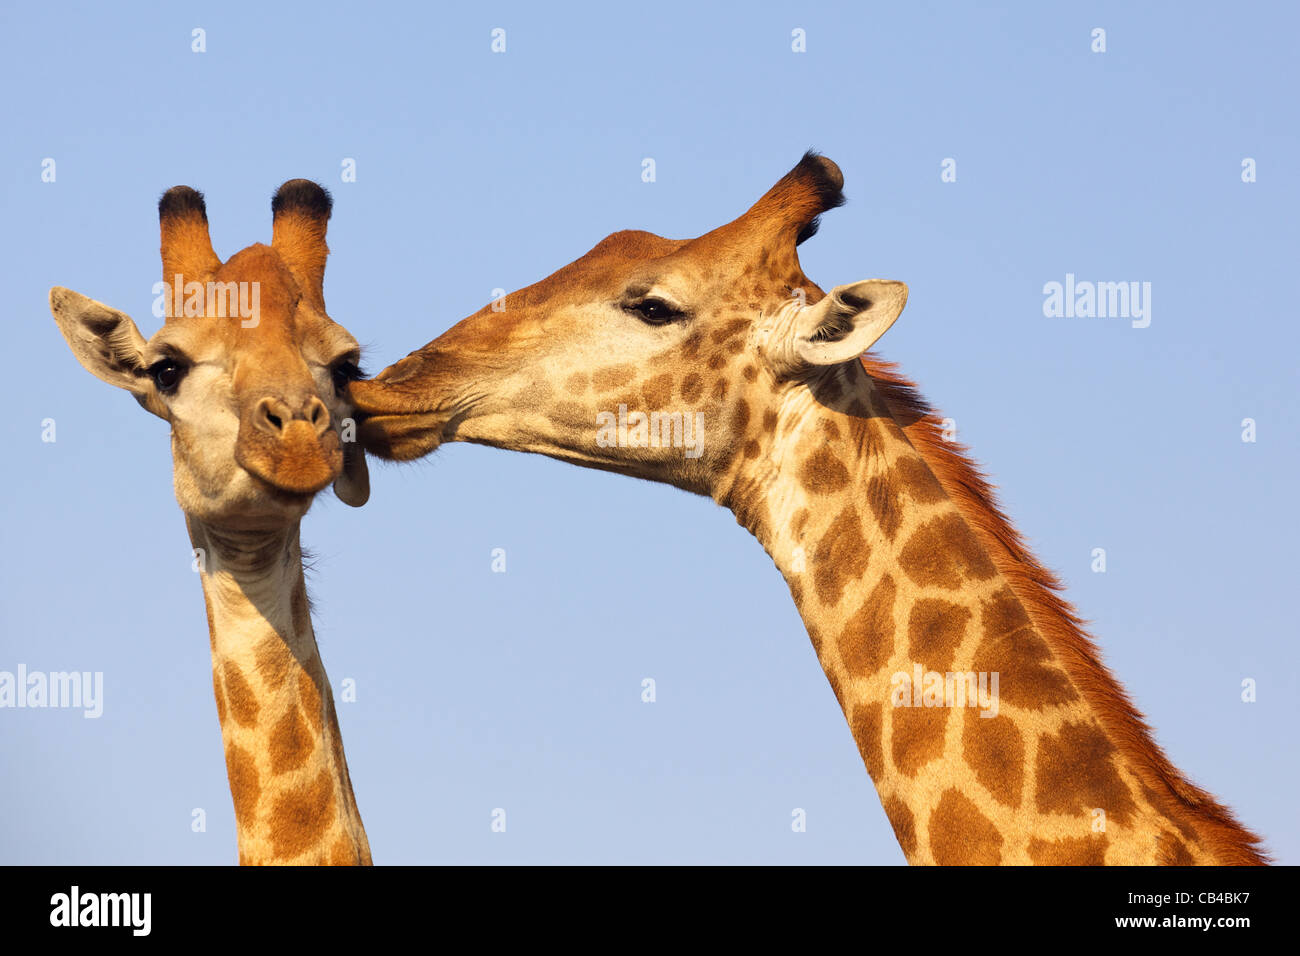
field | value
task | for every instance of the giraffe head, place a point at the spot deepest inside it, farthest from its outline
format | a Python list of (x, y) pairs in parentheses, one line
[(248, 369), (645, 356)]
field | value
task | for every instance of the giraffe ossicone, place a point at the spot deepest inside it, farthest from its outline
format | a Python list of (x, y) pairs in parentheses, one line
[(902, 567), (257, 406)]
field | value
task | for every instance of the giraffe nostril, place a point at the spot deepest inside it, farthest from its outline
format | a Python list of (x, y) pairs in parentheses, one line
[(317, 415), (270, 415), (273, 416)]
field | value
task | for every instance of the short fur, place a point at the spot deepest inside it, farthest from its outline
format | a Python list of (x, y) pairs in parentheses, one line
[(1037, 588)]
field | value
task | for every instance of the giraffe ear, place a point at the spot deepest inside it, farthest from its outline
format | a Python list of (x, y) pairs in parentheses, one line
[(847, 322), (106, 343)]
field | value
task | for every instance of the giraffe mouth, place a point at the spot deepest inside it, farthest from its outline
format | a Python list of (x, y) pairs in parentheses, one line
[(402, 437), (298, 463)]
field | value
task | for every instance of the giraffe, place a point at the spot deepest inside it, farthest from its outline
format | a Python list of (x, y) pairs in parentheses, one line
[(714, 364), (250, 373)]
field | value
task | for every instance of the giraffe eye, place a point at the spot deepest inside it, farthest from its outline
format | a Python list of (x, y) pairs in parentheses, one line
[(655, 311), (344, 372), (167, 374)]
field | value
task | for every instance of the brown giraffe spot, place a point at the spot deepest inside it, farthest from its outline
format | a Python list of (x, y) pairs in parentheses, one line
[(886, 504), (1160, 807), (740, 417), (577, 383), (900, 818), (309, 698), (692, 387), (962, 836), (916, 736), (867, 641), (729, 331), (1069, 851), (720, 389), (569, 412), (822, 472), (752, 449), (749, 372), (615, 376), (300, 816), (919, 482), (829, 429), (220, 695), (880, 432), (658, 391), (943, 553), (1173, 852), (291, 743), (1027, 674), (994, 749), (935, 629), (796, 592), (274, 661), (239, 696), (245, 788), (769, 420), (691, 347), (841, 556), (866, 726), (1076, 774), (717, 360), (1003, 614)]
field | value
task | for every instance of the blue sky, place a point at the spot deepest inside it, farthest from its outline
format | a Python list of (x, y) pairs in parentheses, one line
[(474, 171)]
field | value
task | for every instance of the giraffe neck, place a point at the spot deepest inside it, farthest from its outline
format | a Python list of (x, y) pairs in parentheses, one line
[(284, 753), (989, 739)]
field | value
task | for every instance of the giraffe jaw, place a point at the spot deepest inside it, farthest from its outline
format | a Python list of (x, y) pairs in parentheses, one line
[(403, 436)]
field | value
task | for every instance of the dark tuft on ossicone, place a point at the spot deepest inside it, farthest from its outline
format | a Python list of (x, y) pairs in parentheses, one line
[(826, 177), (828, 182), (182, 201), (303, 196), (808, 231)]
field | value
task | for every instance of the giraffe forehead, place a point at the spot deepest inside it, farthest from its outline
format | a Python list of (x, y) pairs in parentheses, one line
[(730, 267), (254, 314)]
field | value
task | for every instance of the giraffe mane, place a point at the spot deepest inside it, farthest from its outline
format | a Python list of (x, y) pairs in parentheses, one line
[(1056, 620)]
